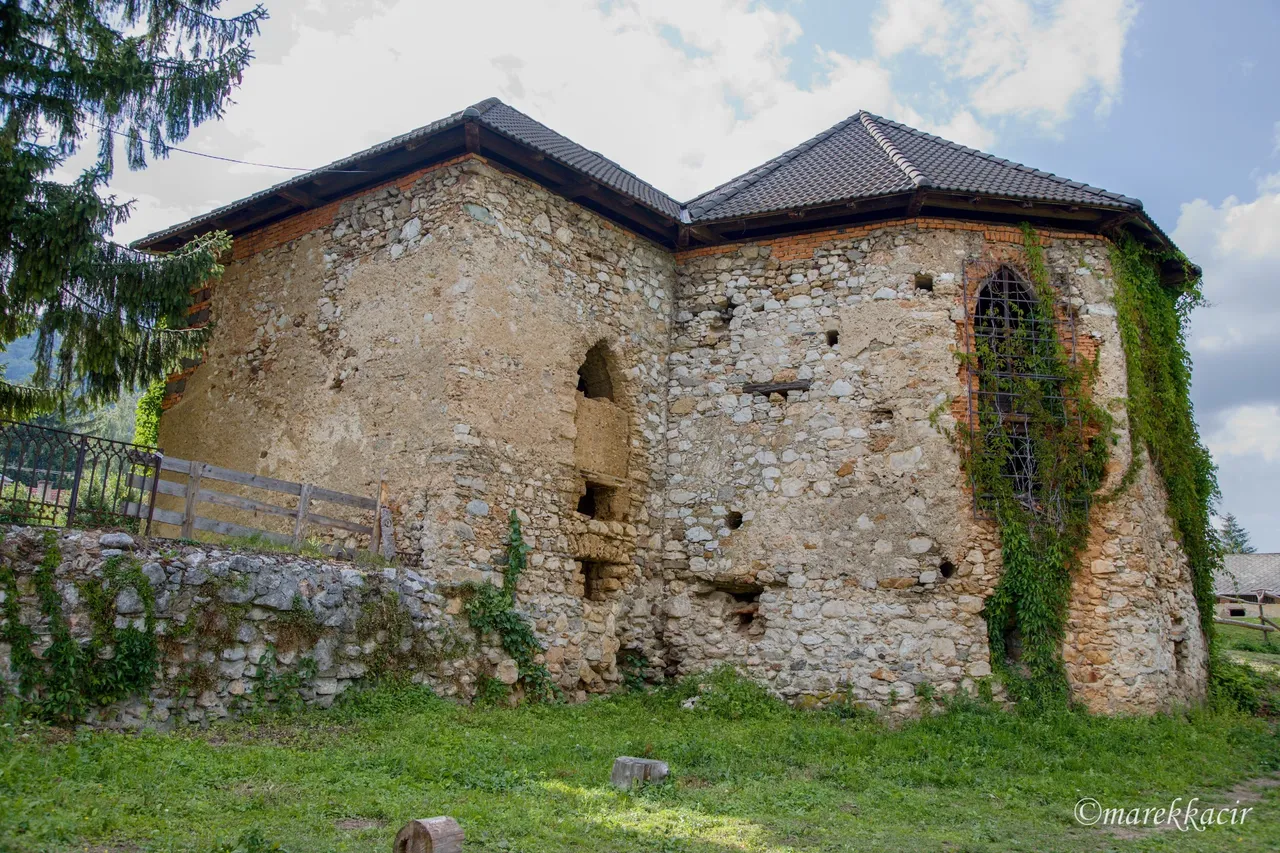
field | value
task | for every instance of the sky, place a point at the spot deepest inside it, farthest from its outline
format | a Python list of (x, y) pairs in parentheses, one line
[(1174, 102)]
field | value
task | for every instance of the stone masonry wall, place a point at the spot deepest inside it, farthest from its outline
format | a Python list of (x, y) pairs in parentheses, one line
[(825, 538), (433, 329), (227, 621), (821, 537)]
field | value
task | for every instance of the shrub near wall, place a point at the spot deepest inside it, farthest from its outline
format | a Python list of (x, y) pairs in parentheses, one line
[(102, 628)]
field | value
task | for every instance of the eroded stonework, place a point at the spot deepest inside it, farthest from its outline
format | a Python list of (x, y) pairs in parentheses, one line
[(769, 481)]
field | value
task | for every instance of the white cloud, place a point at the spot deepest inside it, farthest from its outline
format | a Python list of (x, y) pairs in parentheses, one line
[(686, 95), (1236, 382), (1238, 245), (1018, 57), (1252, 430), (1025, 65), (903, 24)]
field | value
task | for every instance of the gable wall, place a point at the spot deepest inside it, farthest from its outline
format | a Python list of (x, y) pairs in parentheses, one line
[(433, 329)]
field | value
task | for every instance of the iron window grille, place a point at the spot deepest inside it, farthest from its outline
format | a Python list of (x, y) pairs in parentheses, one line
[(1008, 340)]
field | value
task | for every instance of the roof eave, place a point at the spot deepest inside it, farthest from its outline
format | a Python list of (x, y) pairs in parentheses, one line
[(924, 201), (454, 136)]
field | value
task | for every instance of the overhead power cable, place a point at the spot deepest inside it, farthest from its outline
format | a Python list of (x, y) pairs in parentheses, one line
[(233, 159)]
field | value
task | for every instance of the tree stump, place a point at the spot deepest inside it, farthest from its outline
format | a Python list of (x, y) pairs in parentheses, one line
[(433, 835), (632, 771)]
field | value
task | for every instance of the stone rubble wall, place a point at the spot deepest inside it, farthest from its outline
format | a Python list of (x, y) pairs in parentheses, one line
[(1133, 640), (224, 618)]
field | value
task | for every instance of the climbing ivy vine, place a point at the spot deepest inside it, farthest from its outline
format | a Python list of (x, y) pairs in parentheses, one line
[(1152, 315), (1071, 438), (492, 610), (1044, 527), (71, 677)]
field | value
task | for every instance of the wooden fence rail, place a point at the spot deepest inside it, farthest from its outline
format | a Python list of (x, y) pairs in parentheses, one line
[(196, 490), (1263, 624)]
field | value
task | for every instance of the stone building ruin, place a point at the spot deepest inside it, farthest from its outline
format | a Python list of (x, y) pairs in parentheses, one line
[(724, 423)]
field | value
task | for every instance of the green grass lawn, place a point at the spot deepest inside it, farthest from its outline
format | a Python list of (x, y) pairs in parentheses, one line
[(747, 775), (1234, 636)]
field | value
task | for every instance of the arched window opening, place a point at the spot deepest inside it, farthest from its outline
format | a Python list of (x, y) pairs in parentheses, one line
[(1009, 333), (1011, 342), (601, 443), (594, 379)]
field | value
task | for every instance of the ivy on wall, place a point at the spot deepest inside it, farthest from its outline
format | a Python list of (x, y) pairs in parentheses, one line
[(1153, 317), (1071, 440), (492, 610), (1043, 526), (71, 677)]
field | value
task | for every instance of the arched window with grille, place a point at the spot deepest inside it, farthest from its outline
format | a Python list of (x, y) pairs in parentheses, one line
[(1012, 339)]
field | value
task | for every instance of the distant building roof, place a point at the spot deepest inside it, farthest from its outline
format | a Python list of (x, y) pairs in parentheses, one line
[(1247, 574), (863, 169)]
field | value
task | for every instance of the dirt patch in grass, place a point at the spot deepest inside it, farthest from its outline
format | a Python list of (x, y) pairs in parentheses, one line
[(1246, 793)]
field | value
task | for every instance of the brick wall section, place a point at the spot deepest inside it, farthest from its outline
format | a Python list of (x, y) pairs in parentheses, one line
[(799, 246)]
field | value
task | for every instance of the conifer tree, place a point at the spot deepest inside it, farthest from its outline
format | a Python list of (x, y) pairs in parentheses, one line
[(1233, 536), (139, 72)]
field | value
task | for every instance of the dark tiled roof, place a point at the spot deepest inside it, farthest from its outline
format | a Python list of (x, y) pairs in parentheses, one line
[(1245, 574), (343, 165), (496, 116), (515, 124), (949, 166), (866, 156), (844, 162), (862, 157)]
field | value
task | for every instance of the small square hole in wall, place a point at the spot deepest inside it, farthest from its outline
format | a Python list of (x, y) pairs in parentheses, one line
[(1236, 611), (733, 520), (833, 337), (747, 610), (597, 501), (592, 581), (924, 282)]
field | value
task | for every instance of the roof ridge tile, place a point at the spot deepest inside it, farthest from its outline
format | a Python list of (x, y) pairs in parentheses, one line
[(897, 157)]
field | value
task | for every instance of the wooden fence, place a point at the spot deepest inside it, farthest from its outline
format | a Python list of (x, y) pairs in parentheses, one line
[(196, 489)]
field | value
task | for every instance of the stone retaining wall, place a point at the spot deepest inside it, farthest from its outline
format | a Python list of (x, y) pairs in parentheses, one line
[(228, 621)]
